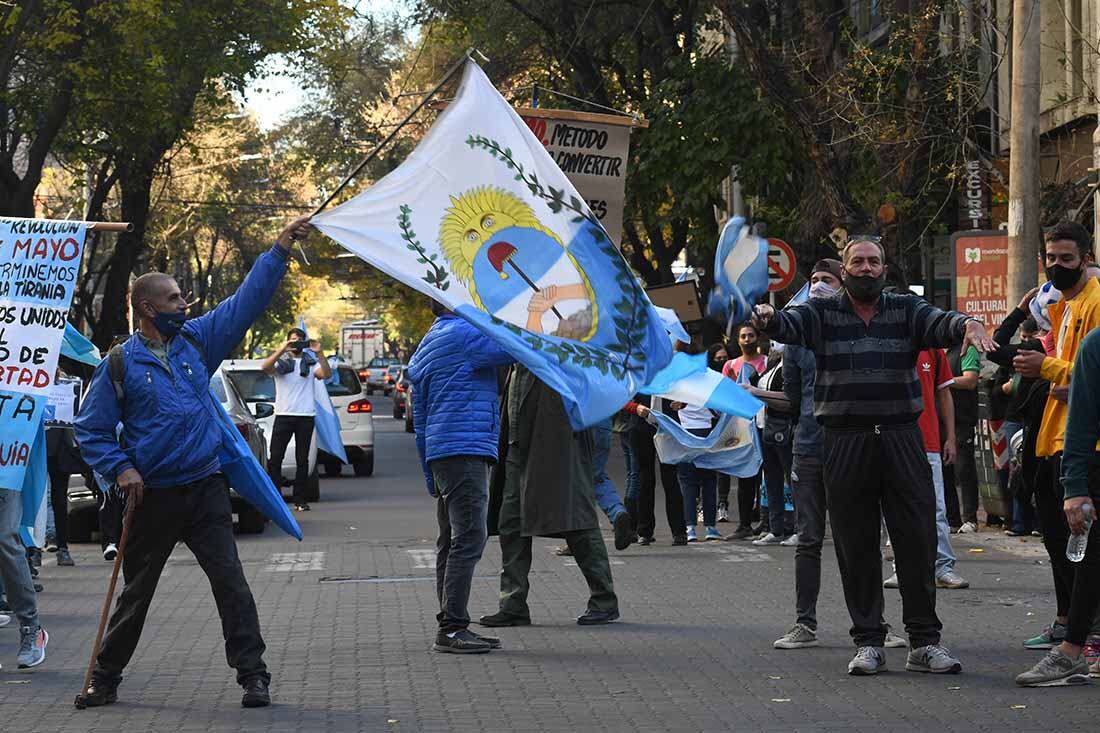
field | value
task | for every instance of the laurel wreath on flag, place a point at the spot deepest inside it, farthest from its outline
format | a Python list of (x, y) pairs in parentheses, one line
[(436, 275), (631, 321)]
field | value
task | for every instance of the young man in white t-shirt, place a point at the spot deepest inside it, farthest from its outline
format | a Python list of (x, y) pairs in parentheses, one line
[(295, 366)]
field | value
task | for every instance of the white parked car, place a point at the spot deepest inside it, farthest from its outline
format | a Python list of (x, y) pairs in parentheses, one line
[(356, 423), (257, 388)]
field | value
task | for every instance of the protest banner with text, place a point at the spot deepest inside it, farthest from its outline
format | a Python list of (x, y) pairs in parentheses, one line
[(39, 264)]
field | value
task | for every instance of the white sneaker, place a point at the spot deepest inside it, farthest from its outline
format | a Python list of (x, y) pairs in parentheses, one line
[(951, 579), (4, 619), (891, 582), (723, 514), (699, 517), (791, 541), (893, 641), (968, 528), (768, 539), (691, 534), (868, 660), (109, 552)]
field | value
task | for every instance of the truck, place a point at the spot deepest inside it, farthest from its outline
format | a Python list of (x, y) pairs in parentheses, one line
[(361, 342)]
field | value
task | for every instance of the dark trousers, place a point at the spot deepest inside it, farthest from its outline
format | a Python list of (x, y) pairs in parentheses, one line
[(1086, 586), (724, 490), (586, 545), (748, 491), (59, 500), (301, 428), (645, 453), (808, 485), (199, 514), (865, 469), (962, 477), (1048, 500), (462, 508), (777, 468), (111, 507)]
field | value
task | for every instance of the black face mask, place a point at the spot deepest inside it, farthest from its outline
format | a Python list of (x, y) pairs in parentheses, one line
[(1064, 278), (864, 288)]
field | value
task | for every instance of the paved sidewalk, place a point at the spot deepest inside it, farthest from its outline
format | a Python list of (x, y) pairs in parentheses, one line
[(348, 616)]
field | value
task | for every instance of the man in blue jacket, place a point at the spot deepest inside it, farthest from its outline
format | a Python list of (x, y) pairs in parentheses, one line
[(166, 462), (457, 423)]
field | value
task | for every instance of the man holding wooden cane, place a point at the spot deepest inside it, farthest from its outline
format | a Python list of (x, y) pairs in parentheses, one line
[(166, 461)]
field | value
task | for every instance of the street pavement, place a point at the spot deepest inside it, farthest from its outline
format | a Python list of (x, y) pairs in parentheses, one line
[(349, 616)]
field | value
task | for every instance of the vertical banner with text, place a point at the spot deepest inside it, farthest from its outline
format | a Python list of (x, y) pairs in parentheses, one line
[(592, 151), (39, 264), (980, 268)]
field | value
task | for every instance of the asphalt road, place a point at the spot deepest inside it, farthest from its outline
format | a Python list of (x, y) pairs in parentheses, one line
[(348, 617)]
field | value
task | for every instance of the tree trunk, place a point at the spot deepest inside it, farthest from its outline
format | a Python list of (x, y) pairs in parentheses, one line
[(136, 181)]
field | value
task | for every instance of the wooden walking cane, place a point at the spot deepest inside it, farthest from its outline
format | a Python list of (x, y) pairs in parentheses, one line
[(127, 520)]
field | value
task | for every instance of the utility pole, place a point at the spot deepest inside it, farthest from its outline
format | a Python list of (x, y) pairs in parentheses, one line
[(1096, 133), (1024, 233)]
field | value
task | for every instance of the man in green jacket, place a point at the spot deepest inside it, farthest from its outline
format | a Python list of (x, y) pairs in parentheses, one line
[(1081, 482), (544, 481)]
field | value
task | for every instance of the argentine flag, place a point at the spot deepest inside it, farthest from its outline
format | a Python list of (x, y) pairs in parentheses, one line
[(732, 447), (740, 272), (687, 379), (326, 422)]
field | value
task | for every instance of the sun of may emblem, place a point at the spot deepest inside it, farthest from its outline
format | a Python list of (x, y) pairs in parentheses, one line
[(515, 268)]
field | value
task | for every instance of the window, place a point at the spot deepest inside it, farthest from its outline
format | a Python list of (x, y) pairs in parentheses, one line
[(218, 388), (254, 385), (347, 383)]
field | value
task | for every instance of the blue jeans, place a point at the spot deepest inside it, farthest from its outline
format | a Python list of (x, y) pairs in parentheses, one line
[(607, 496), (693, 481), (462, 509), (631, 468), (14, 572), (945, 556)]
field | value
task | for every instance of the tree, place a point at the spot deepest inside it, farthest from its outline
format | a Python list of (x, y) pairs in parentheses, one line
[(664, 60), (884, 117)]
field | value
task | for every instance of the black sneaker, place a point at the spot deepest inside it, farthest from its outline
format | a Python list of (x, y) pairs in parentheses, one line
[(303, 507), (500, 618), (100, 692), (597, 618), (743, 532), (679, 540), (460, 642), (624, 531), (492, 641), (256, 693), (644, 541), (64, 559)]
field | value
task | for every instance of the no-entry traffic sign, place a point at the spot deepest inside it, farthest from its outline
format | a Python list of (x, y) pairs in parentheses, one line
[(781, 264)]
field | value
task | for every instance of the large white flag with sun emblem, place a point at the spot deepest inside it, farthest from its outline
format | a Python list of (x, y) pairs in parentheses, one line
[(480, 218)]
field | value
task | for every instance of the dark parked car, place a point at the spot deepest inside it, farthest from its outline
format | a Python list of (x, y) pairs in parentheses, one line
[(409, 408)]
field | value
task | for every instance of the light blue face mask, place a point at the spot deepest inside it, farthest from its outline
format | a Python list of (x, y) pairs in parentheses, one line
[(822, 289)]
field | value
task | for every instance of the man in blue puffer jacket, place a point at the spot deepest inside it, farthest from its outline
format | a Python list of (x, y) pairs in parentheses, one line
[(457, 421), (166, 462)]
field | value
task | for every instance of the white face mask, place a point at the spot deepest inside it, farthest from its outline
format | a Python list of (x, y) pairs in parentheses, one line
[(822, 289)]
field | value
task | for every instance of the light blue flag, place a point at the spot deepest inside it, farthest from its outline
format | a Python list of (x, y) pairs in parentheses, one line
[(740, 272), (34, 485), (78, 348), (800, 297), (687, 379), (245, 474), (481, 219), (732, 446), (326, 421)]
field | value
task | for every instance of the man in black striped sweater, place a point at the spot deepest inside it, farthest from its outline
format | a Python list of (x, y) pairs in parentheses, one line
[(868, 398)]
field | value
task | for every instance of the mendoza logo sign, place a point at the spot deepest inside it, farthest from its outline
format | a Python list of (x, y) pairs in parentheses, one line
[(591, 149)]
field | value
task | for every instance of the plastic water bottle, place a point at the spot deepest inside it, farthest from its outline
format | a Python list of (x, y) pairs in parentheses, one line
[(1075, 549)]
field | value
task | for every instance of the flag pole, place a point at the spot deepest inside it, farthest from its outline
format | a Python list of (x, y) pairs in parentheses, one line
[(458, 65), (82, 699)]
